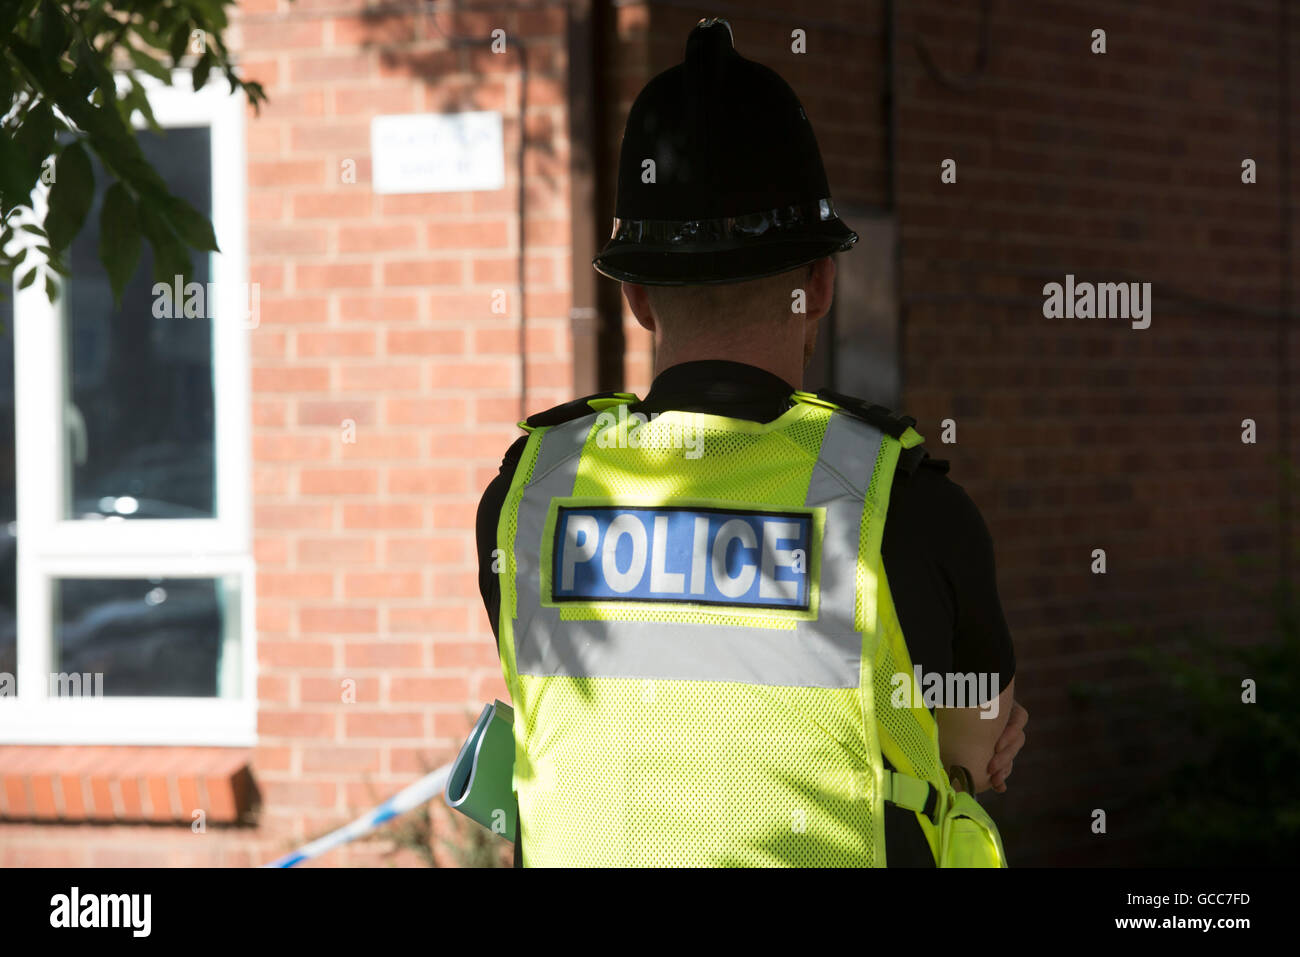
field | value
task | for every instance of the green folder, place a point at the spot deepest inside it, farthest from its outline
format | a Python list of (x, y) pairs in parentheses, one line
[(481, 782)]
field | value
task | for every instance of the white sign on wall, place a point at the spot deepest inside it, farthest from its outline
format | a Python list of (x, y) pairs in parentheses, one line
[(437, 152)]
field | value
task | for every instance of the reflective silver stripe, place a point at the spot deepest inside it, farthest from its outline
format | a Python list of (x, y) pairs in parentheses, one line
[(825, 653), (553, 476), (839, 484)]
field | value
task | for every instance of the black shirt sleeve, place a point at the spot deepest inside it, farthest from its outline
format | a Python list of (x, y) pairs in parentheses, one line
[(489, 581), (939, 558), (485, 527), (938, 555)]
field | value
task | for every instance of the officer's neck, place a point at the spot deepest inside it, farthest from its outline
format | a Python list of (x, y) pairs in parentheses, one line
[(780, 359)]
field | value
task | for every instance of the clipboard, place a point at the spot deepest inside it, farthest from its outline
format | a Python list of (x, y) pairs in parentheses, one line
[(481, 782)]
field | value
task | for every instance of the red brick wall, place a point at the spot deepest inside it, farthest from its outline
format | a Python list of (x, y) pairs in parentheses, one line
[(627, 68), (1083, 434), (382, 314), (378, 310)]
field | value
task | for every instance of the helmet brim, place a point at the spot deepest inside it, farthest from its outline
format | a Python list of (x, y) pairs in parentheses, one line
[(636, 263)]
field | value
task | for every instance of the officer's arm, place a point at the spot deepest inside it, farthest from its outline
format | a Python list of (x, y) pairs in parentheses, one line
[(969, 736), (981, 642), (489, 512), (489, 582)]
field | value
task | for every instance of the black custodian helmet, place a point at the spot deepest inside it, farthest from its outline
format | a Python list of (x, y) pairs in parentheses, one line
[(738, 189)]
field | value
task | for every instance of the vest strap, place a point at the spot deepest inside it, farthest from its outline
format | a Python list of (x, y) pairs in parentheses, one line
[(909, 459), (575, 409), (912, 793), (886, 420)]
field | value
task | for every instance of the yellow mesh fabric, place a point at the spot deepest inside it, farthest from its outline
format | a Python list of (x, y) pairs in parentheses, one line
[(685, 773), (738, 460), (909, 736), (507, 529), (508, 524)]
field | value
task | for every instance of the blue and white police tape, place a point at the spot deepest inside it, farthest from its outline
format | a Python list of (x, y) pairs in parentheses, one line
[(404, 800)]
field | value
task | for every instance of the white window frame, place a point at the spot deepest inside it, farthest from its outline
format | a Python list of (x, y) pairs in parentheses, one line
[(51, 547)]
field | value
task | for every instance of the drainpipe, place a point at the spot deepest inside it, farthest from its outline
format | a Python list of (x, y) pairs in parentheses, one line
[(584, 134)]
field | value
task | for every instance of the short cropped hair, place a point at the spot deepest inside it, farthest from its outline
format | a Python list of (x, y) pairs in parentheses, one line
[(731, 307)]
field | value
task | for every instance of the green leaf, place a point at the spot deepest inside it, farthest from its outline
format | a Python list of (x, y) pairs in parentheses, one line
[(256, 95), (216, 15), (170, 258), (6, 82), (119, 238), (70, 196), (10, 13), (51, 31), (16, 178), (58, 265), (97, 64), (35, 137), (179, 41), (128, 162), (148, 34), (29, 58), (138, 99), (201, 70), (191, 225), (90, 72), (149, 65), (51, 287), (29, 277)]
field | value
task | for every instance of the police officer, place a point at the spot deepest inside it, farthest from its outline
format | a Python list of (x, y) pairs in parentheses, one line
[(709, 639)]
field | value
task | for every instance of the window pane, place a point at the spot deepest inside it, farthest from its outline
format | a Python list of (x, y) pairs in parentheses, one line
[(8, 506), (139, 411), (156, 636)]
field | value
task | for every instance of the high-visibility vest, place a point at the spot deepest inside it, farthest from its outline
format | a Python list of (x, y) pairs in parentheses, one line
[(698, 637)]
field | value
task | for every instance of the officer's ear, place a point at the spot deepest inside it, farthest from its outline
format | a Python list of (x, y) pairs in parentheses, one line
[(639, 300), (821, 288)]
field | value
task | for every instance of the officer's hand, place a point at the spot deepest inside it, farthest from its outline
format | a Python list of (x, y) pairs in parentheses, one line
[(1008, 746)]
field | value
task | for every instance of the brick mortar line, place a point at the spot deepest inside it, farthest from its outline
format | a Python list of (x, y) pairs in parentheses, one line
[(1025, 176), (1090, 124), (1071, 243), (1126, 8)]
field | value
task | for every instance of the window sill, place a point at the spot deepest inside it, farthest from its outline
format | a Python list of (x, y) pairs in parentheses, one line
[(114, 721), (116, 785)]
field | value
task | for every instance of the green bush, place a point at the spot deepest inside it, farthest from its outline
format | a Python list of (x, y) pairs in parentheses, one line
[(1235, 799)]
